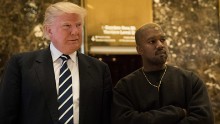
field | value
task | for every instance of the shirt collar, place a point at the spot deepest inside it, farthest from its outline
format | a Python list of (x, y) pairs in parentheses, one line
[(56, 53)]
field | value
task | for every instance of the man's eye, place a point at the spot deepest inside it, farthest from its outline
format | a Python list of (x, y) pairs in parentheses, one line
[(78, 25), (67, 25), (162, 40), (151, 41)]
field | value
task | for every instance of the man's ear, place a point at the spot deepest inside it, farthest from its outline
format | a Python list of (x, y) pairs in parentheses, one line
[(48, 31), (139, 50)]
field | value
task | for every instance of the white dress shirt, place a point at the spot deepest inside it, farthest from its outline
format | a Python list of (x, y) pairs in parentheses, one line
[(73, 66)]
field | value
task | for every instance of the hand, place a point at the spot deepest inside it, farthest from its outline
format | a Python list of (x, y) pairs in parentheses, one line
[(185, 112)]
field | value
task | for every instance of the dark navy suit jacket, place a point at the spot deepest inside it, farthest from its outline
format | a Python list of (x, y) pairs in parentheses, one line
[(28, 90)]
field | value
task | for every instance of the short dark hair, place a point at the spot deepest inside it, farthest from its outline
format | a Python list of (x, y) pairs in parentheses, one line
[(139, 32)]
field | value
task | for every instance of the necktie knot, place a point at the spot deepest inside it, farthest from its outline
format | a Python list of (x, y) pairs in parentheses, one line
[(65, 57)]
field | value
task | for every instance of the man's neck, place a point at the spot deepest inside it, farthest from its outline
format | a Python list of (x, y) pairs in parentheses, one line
[(149, 68)]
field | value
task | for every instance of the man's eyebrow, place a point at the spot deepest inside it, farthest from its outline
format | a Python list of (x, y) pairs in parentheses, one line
[(150, 38), (155, 37), (65, 22), (163, 36)]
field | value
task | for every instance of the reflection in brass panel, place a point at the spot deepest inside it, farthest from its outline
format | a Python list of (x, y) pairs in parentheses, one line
[(113, 23)]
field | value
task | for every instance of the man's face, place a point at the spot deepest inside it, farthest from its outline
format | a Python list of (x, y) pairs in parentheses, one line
[(65, 32), (153, 47)]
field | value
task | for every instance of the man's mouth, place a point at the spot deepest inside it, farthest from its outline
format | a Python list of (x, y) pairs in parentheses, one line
[(74, 40), (161, 52)]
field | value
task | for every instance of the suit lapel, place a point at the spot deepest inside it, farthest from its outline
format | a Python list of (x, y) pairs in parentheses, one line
[(45, 72), (85, 72)]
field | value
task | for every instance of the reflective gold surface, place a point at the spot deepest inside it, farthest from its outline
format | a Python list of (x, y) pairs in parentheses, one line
[(111, 25)]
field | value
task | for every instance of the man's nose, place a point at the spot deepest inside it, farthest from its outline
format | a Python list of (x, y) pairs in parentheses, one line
[(160, 44), (74, 30)]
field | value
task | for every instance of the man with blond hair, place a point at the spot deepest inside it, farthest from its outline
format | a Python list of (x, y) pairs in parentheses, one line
[(57, 85)]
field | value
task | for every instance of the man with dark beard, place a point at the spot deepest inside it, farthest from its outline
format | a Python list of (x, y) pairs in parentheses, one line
[(159, 93)]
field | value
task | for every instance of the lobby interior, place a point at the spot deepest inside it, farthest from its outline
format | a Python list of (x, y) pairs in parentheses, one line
[(192, 28)]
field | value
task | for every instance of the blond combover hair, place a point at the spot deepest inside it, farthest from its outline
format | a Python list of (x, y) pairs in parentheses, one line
[(59, 8)]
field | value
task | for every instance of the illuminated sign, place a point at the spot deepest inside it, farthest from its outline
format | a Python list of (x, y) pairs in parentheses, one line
[(115, 34), (111, 25)]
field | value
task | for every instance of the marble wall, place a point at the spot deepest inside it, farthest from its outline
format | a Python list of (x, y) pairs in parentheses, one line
[(192, 28)]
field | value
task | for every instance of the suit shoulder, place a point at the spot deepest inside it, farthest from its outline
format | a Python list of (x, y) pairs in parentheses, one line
[(26, 57), (27, 54), (92, 59)]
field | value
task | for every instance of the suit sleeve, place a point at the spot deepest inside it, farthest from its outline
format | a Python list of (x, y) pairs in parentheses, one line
[(107, 96), (199, 108), (124, 112), (10, 93)]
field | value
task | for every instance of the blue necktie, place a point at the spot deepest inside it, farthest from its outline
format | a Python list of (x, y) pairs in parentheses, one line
[(65, 97)]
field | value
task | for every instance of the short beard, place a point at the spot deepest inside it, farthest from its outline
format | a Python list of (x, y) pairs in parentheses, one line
[(156, 61)]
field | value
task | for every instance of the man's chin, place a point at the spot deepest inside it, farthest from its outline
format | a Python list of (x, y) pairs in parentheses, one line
[(162, 60)]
